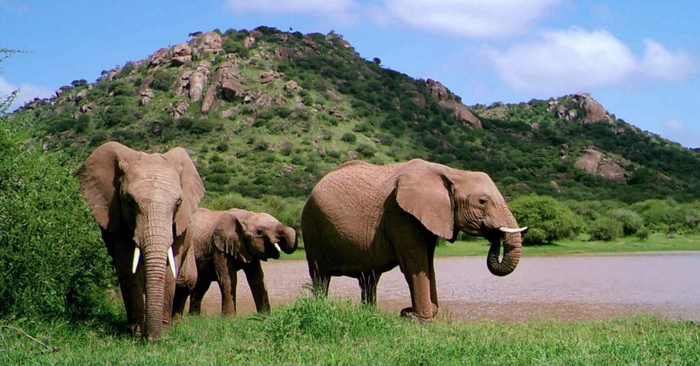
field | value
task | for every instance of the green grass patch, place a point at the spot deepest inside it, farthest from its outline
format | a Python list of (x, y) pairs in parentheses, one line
[(341, 333)]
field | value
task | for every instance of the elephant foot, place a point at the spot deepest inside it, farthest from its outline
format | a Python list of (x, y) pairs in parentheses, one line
[(409, 313), (135, 330)]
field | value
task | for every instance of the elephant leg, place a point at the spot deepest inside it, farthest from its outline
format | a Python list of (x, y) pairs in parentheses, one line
[(168, 298), (417, 273), (320, 280), (368, 286), (181, 294), (129, 283), (433, 285), (197, 295), (256, 281), (228, 279)]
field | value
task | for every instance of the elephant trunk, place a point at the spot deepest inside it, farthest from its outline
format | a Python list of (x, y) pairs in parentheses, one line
[(288, 239), (512, 248), (157, 239)]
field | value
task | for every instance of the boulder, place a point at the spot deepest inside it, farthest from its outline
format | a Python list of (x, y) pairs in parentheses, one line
[(209, 98), (209, 42), (248, 42), (291, 85), (196, 85), (461, 112), (158, 57), (182, 53), (438, 90), (232, 89), (593, 161), (593, 111), (181, 85), (146, 96)]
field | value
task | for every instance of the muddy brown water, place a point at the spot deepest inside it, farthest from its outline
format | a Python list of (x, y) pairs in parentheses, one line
[(566, 288)]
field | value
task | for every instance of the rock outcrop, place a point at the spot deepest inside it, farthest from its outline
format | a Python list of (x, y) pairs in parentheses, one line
[(227, 77), (446, 100), (594, 162), (182, 54), (206, 43), (593, 112)]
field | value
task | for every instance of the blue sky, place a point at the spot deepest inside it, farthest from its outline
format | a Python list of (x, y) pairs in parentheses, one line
[(640, 59)]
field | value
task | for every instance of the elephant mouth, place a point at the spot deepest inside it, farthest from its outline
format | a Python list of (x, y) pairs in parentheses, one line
[(272, 250)]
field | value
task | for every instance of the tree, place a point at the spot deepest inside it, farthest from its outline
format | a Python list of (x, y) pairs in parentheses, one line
[(6, 100)]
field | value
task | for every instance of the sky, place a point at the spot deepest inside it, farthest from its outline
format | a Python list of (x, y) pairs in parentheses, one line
[(640, 59)]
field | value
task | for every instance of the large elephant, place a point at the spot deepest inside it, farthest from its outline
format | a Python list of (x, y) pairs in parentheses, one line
[(224, 242), (143, 204), (362, 220)]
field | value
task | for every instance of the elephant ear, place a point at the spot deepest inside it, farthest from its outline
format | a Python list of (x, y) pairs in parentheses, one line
[(191, 184), (423, 190), (228, 238), (99, 177)]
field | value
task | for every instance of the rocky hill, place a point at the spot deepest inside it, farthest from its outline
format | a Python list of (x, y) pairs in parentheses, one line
[(269, 112)]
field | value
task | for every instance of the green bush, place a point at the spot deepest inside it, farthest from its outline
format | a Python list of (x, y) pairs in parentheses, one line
[(643, 233), (545, 215), (630, 220), (605, 228), (163, 80), (349, 137), (53, 262)]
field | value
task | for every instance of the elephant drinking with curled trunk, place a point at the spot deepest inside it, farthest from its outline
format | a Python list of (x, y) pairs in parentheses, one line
[(224, 242), (143, 204), (362, 220)]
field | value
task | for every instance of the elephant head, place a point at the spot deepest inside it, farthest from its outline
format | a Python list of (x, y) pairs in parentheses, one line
[(248, 235), (447, 200), (148, 198)]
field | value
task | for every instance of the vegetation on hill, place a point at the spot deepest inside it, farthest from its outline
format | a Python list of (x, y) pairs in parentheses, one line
[(295, 106)]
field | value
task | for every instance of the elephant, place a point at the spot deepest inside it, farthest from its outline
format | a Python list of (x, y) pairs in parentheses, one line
[(143, 204), (224, 242), (362, 220)]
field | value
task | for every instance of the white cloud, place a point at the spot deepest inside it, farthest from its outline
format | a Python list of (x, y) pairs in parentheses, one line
[(27, 92), (574, 60), (471, 18), (311, 7), (659, 63)]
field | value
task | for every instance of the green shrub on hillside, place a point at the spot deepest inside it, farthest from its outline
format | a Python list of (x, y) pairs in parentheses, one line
[(550, 219), (53, 262)]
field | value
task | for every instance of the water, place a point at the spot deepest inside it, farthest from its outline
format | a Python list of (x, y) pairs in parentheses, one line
[(570, 287)]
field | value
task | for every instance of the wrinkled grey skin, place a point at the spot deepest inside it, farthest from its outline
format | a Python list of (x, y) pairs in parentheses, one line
[(143, 201), (362, 220), (224, 242)]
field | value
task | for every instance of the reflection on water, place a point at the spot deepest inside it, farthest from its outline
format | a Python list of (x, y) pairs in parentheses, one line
[(572, 287)]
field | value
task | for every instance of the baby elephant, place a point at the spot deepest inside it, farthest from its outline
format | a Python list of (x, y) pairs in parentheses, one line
[(224, 242)]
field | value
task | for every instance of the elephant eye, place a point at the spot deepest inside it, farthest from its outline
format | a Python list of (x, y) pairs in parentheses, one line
[(259, 232), (483, 200)]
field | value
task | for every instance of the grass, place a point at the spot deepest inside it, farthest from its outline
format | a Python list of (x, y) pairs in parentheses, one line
[(337, 332), (581, 245)]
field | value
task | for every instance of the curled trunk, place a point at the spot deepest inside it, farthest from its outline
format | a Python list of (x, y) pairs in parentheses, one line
[(512, 248)]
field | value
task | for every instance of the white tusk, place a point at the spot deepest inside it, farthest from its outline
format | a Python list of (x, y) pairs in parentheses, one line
[(171, 261), (277, 246), (137, 256), (511, 231)]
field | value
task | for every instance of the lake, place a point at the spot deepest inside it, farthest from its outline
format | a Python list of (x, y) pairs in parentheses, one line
[(561, 287)]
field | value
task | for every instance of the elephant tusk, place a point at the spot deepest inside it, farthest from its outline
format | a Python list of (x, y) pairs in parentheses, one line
[(277, 246), (511, 231), (171, 261), (137, 256)]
